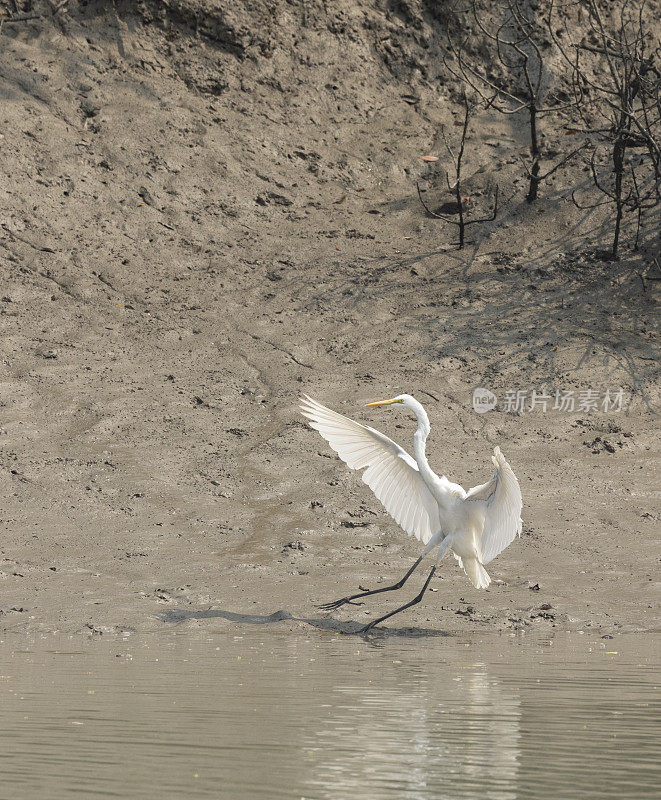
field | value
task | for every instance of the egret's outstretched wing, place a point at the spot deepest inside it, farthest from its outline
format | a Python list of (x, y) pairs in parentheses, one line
[(391, 473), (501, 497)]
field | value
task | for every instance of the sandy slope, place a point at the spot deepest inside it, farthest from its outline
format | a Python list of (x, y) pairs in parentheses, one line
[(197, 225)]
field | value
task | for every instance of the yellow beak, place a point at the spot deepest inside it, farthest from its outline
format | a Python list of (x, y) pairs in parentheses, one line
[(385, 402)]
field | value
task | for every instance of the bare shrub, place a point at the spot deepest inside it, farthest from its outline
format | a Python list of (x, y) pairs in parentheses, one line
[(462, 219), (616, 75), (520, 49)]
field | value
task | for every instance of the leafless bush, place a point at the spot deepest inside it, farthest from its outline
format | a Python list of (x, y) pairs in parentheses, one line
[(616, 76), (521, 48), (461, 200)]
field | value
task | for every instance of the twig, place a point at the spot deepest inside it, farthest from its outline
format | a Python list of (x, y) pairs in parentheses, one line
[(493, 215), (20, 18), (426, 207), (563, 162)]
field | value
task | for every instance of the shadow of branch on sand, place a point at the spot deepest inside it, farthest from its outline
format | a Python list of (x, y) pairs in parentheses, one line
[(349, 627)]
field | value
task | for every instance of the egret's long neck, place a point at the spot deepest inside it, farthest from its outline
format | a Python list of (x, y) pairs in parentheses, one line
[(420, 443)]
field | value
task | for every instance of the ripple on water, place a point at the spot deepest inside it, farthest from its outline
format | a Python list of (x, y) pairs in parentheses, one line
[(279, 716)]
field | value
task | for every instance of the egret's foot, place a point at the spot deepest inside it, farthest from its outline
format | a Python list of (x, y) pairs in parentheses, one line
[(350, 599), (366, 628), (338, 604)]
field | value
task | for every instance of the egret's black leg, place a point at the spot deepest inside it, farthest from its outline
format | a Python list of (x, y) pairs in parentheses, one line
[(413, 602), (337, 603)]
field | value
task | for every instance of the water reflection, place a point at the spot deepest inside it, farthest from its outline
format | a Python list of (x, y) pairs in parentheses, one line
[(419, 733), (275, 716)]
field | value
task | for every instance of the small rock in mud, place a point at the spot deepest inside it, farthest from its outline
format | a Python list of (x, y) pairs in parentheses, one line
[(146, 196), (266, 198)]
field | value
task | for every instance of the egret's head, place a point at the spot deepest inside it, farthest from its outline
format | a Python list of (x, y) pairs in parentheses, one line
[(403, 399)]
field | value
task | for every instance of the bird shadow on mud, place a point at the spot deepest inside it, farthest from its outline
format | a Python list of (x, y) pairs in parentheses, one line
[(348, 627)]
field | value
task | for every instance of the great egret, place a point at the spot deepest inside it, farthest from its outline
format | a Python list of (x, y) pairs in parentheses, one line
[(476, 525)]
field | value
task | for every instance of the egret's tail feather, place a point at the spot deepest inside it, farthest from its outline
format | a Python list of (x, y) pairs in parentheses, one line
[(478, 576)]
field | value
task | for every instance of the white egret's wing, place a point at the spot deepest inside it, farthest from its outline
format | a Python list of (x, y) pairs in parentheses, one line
[(501, 497), (391, 473)]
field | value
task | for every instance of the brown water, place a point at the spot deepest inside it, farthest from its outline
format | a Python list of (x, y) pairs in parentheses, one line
[(278, 716)]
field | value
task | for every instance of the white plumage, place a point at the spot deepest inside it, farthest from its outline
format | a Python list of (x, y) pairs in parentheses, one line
[(476, 525), (391, 473), (501, 496)]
